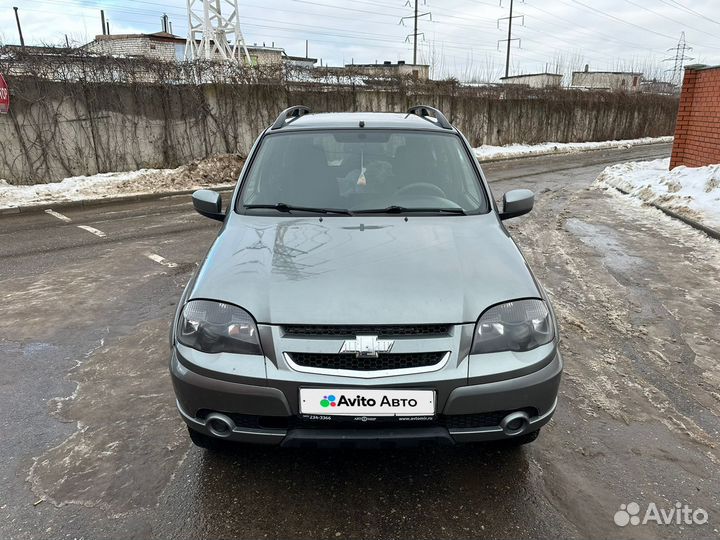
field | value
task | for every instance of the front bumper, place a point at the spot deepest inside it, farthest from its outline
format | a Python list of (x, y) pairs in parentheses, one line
[(199, 393)]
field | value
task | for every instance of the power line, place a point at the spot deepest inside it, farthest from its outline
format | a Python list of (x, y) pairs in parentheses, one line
[(311, 29), (593, 32), (629, 23), (621, 20), (297, 28), (677, 5), (671, 19)]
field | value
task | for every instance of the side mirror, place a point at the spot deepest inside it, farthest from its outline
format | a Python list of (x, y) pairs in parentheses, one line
[(208, 203), (516, 203)]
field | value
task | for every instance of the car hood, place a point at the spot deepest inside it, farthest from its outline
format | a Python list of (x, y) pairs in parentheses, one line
[(364, 270)]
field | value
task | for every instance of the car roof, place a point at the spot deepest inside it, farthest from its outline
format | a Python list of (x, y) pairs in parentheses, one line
[(372, 120)]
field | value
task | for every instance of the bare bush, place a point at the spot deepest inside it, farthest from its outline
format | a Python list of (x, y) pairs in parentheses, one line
[(73, 113)]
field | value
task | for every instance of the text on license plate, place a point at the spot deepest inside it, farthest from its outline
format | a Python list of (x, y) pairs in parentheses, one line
[(374, 402)]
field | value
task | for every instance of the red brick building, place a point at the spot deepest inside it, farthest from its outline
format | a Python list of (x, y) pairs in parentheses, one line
[(697, 130)]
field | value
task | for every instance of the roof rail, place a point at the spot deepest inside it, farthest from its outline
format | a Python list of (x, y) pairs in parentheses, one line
[(424, 111), (293, 113)]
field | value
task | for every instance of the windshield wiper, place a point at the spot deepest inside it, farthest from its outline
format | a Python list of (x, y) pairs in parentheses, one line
[(395, 209), (283, 207)]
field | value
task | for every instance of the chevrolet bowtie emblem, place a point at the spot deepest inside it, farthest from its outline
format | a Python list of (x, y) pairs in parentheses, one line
[(367, 346)]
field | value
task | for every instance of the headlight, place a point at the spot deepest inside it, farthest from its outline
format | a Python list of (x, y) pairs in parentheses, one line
[(214, 327), (520, 325)]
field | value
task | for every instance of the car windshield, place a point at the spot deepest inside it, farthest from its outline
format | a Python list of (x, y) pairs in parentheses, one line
[(381, 171)]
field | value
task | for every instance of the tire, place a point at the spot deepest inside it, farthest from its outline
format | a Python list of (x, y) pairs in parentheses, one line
[(516, 442), (212, 444)]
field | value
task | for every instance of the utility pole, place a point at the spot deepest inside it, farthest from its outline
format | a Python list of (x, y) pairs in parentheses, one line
[(679, 59), (17, 20), (509, 34), (507, 56), (415, 33)]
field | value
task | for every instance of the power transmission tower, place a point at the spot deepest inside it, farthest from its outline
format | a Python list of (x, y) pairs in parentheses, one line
[(415, 33), (510, 39), (679, 59), (212, 34)]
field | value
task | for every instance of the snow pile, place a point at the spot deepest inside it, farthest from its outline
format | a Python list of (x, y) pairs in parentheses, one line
[(690, 192), (215, 171), (486, 153)]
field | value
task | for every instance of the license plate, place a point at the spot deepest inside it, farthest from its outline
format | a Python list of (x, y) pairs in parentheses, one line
[(353, 402)]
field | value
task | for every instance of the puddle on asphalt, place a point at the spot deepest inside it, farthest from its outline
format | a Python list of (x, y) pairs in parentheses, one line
[(607, 243), (27, 349)]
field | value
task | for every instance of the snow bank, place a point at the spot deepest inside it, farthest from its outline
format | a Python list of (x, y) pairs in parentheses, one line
[(216, 171), (486, 153), (691, 192)]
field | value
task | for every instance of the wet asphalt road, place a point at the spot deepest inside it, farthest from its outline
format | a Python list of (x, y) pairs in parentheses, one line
[(89, 426)]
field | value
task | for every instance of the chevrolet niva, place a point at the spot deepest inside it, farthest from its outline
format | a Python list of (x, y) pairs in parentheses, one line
[(363, 291)]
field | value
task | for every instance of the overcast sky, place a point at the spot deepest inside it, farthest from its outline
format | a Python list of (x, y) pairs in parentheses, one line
[(461, 40)]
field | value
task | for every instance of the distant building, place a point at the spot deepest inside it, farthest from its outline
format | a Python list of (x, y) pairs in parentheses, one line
[(535, 80), (300, 61), (659, 87), (606, 80), (260, 55), (170, 48), (401, 69), (158, 46)]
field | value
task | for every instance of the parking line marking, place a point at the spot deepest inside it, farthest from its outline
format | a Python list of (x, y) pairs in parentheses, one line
[(58, 215), (160, 260), (93, 230)]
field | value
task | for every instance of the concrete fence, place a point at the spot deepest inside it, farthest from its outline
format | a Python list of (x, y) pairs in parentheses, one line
[(57, 129)]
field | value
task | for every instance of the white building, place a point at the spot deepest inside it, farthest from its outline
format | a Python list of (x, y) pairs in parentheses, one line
[(170, 48), (401, 69), (300, 61), (158, 46), (606, 80), (535, 80)]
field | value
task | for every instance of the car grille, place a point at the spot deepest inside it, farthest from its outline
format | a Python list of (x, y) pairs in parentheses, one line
[(383, 331), (383, 361)]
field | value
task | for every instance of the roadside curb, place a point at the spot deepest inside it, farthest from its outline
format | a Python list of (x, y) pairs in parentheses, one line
[(159, 195), (88, 203), (579, 151), (712, 233)]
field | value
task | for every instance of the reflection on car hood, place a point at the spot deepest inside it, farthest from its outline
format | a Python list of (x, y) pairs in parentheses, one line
[(364, 270)]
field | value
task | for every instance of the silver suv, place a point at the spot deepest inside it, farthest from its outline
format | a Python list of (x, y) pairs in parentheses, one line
[(364, 291)]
